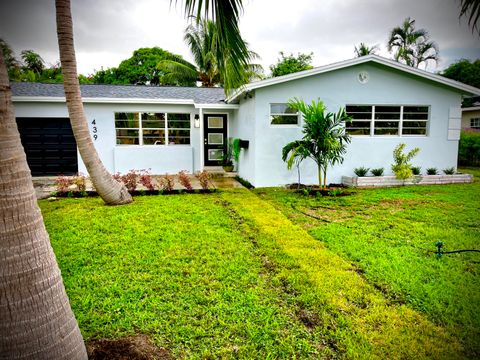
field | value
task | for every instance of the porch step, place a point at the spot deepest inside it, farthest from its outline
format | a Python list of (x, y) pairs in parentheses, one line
[(218, 171)]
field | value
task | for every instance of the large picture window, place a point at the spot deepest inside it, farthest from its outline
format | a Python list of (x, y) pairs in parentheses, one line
[(152, 128), (281, 114), (387, 120)]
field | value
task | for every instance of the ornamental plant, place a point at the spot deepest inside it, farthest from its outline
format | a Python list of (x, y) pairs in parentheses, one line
[(361, 171), (377, 172), (402, 167), (146, 179), (432, 171), (167, 183), (80, 182), (185, 180), (204, 178), (63, 183), (449, 171)]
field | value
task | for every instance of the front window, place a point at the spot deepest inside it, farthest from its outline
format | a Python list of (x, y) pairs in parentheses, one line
[(282, 114), (152, 128), (475, 123), (387, 120)]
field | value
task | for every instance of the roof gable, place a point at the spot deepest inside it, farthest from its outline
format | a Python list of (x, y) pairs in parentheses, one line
[(463, 88)]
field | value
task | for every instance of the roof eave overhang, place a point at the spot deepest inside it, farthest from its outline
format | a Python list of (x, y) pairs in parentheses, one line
[(465, 89)]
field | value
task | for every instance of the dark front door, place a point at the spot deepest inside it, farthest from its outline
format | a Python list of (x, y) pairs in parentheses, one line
[(214, 138), (49, 145)]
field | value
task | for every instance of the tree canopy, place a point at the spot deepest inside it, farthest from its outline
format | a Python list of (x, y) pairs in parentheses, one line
[(364, 50), (465, 71), (291, 64), (140, 69)]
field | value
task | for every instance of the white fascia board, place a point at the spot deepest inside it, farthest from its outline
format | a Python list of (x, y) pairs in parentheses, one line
[(473, 108), (217, 106), (104, 100), (351, 62)]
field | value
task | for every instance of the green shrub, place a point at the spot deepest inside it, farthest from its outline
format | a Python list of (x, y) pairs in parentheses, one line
[(377, 172), (449, 171), (416, 170), (469, 148), (432, 171), (361, 171), (402, 167)]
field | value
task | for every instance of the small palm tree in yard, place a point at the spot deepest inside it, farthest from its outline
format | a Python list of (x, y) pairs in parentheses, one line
[(324, 138)]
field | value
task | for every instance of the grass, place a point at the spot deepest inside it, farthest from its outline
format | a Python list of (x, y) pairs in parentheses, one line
[(236, 275), (389, 234)]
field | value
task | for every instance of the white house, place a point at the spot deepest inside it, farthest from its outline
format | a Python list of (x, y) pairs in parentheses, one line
[(168, 129)]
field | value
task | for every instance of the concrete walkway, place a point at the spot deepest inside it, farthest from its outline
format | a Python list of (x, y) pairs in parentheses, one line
[(45, 185)]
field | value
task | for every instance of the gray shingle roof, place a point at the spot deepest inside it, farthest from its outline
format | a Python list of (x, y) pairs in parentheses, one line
[(197, 94)]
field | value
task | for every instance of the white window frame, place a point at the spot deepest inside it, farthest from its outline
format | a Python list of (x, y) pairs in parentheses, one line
[(140, 128), (297, 114), (475, 123), (400, 121)]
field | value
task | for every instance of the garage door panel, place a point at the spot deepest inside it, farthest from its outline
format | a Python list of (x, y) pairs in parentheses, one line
[(49, 145)]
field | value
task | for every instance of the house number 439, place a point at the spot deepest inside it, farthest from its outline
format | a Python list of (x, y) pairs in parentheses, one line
[(94, 129)]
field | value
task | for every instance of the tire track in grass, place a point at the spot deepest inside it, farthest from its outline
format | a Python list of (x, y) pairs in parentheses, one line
[(348, 310)]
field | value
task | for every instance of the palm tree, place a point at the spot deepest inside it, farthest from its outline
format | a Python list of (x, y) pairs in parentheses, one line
[(324, 138), (203, 41), (472, 7), (413, 46), (110, 190), (364, 50), (36, 319)]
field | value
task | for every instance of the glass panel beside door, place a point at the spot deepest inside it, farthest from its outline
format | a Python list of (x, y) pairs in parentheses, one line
[(214, 136)]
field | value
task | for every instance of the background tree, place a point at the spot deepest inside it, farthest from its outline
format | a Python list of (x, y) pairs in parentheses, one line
[(467, 72), (12, 64), (202, 39), (32, 61), (324, 138), (412, 46), (471, 8), (140, 69), (364, 50), (291, 64)]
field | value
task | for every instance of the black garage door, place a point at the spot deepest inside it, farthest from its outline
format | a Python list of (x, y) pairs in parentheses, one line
[(49, 144)]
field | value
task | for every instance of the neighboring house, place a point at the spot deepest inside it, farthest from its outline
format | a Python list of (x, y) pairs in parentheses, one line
[(168, 129), (471, 118)]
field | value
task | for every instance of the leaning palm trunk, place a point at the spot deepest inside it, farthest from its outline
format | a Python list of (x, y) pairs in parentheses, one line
[(36, 321), (111, 191)]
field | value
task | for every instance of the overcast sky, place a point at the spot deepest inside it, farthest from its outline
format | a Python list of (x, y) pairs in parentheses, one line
[(108, 31)]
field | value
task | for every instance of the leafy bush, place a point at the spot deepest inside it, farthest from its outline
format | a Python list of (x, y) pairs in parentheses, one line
[(377, 172), (416, 170), (244, 182), (402, 167), (432, 171), (469, 148), (145, 178), (63, 183), (204, 178), (167, 183), (130, 180), (335, 192), (361, 171), (80, 182), (449, 171), (185, 180)]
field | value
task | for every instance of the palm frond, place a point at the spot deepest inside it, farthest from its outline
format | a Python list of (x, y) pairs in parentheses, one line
[(471, 7)]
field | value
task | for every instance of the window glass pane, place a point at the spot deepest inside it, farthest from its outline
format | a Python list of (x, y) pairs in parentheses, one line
[(176, 137), (153, 120), (215, 122), (415, 109), (284, 120), (385, 131), (359, 131), (175, 116), (281, 109), (475, 123), (359, 112), (178, 121), (153, 137), (129, 137), (414, 131), (215, 139), (387, 109), (126, 120), (414, 124), (215, 154)]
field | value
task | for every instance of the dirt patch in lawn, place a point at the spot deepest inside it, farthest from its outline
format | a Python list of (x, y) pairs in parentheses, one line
[(138, 347)]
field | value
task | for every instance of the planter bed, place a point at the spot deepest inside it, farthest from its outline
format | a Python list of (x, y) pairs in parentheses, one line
[(384, 181), (77, 194)]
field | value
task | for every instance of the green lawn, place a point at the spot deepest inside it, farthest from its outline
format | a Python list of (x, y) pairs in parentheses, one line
[(240, 274)]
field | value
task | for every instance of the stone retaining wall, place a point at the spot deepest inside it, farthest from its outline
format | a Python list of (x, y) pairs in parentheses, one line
[(384, 181)]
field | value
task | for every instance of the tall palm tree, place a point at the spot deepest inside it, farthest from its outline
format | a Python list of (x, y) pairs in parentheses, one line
[(36, 321), (324, 138), (111, 191), (412, 46), (472, 7), (364, 50), (203, 41)]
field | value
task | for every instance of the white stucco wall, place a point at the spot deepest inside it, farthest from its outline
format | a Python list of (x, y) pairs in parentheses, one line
[(337, 89), (121, 158)]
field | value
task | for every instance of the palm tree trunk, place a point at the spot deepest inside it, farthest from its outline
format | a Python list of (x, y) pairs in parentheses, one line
[(319, 176), (36, 321), (325, 177), (110, 190)]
